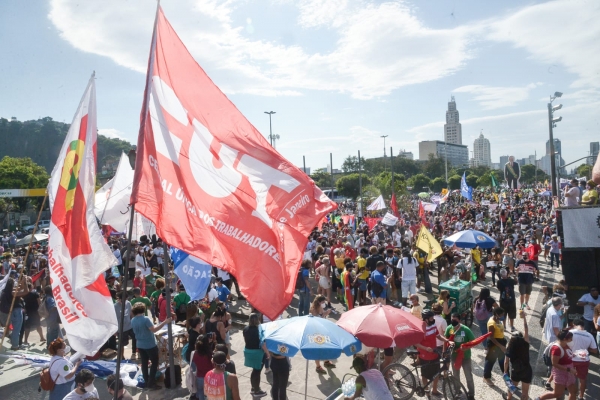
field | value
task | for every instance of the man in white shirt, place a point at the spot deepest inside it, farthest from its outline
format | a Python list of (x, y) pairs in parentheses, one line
[(397, 237), (553, 323), (588, 301), (572, 193), (409, 236), (583, 344), (159, 251), (141, 264)]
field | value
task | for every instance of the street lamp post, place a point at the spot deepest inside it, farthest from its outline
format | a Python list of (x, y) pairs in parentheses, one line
[(551, 124), (270, 127)]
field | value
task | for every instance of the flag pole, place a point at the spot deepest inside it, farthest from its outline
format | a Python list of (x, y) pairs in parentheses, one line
[(23, 273), (123, 300), (166, 260)]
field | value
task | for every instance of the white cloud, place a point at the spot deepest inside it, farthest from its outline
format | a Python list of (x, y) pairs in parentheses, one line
[(112, 133), (493, 97), (561, 32)]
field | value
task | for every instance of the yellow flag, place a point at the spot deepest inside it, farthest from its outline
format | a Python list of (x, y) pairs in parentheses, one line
[(444, 191), (427, 243), (497, 199)]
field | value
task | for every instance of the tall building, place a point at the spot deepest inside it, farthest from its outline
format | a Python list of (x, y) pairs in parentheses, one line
[(452, 127), (594, 150), (557, 147), (482, 155), (458, 154), (503, 161)]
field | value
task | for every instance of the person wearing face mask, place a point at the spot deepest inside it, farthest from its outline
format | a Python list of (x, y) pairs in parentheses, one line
[(84, 387), (459, 334), (496, 345), (62, 371), (151, 280), (563, 371), (428, 357), (553, 323)]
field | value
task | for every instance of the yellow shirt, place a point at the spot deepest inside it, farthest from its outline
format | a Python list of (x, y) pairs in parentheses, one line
[(590, 195), (420, 260), (339, 263), (498, 328), (362, 266), (416, 311), (476, 254)]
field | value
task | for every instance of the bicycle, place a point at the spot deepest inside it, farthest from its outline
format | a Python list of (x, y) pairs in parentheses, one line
[(402, 383)]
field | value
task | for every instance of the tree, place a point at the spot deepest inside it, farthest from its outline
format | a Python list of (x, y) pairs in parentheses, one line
[(434, 167), (348, 186), (484, 180), (419, 182), (350, 164), (369, 192), (454, 182), (528, 174), (584, 170), (472, 180), (21, 173), (438, 184), (383, 182), (322, 178)]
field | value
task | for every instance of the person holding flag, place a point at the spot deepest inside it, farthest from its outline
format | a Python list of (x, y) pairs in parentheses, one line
[(463, 339), (466, 191)]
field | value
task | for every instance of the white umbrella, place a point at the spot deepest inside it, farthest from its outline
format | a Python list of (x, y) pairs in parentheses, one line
[(38, 237)]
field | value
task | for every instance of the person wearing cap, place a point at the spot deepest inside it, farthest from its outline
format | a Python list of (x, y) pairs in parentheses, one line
[(572, 193), (590, 197), (428, 357), (218, 383), (370, 383), (151, 280)]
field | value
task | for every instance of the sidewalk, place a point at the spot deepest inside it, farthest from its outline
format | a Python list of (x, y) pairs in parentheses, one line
[(21, 382)]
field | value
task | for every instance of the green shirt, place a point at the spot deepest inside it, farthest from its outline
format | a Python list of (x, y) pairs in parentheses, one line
[(181, 298), (156, 294), (150, 282), (141, 300), (462, 335)]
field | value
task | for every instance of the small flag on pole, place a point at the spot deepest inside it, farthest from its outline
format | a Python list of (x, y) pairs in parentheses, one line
[(427, 243)]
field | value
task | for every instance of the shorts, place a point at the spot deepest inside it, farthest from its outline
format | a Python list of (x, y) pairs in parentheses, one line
[(382, 295), (126, 335), (582, 368), (362, 285), (510, 308), (336, 284), (324, 282), (408, 287), (563, 377), (429, 368), (525, 288), (525, 376), (388, 352)]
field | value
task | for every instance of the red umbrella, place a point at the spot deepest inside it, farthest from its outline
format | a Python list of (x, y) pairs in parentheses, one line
[(379, 326)]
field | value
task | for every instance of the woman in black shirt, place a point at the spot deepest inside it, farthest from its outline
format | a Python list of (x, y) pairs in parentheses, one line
[(254, 354), (32, 304)]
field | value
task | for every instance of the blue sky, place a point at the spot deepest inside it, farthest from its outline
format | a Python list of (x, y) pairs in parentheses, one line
[(338, 73)]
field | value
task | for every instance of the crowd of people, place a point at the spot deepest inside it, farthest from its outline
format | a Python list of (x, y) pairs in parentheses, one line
[(346, 265)]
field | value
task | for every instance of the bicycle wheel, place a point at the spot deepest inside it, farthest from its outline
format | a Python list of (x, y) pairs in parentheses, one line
[(400, 381), (451, 391)]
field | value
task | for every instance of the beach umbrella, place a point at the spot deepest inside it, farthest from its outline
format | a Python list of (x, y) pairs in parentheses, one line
[(38, 237), (469, 239), (314, 337), (423, 195)]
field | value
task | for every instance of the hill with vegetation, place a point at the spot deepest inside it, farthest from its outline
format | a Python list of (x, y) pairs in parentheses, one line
[(42, 139)]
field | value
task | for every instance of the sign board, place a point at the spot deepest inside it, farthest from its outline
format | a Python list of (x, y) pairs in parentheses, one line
[(23, 192)]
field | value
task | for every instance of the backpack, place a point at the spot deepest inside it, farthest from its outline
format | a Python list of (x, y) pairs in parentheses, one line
[(43, 309), (546, 355), (481, 312), (46, 381), (300, 284), (543, 313)]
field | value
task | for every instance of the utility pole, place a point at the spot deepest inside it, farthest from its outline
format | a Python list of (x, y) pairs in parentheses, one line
[(384, 155), (551, 122), (446, 159), (331, 166), (392, 166), (304, 164), (270, 126), (360, 185)]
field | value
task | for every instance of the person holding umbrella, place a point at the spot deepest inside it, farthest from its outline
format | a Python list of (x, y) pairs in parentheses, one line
[(370, 384)]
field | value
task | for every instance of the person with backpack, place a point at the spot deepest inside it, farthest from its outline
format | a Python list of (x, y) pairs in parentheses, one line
[(408, 264), (563, 372), (181, 301), (484, 305), (61, 370), (508, 300), (516, 362), (303, 287)]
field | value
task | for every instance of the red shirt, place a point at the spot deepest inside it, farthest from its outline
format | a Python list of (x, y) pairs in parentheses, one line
[(533, 250), (567, 357), (431, 333)]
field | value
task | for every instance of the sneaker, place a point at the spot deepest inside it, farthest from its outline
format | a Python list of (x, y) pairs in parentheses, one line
[(267, 370), (23, 346), (512, 329), (547, 385), (258, 393), (489, 382)]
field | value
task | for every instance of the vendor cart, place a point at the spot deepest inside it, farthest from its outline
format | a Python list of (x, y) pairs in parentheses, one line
[(460, 293)]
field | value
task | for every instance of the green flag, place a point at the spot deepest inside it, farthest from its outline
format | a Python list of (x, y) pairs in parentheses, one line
[(494, 183)]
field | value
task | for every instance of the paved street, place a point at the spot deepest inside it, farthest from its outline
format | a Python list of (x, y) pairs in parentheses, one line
[(21, 382)]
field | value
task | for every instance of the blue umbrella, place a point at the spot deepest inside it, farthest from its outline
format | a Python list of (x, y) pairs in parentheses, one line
[(547, 193), (315, 338), (469, 239)]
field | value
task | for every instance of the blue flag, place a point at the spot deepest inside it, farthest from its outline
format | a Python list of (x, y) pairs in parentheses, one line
[(194, 273), (466, 191)]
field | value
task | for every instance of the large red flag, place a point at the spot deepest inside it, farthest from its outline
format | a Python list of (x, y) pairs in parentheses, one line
[(422, 212), (394, 206), (213, 185)]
